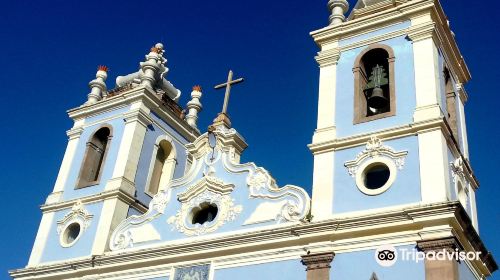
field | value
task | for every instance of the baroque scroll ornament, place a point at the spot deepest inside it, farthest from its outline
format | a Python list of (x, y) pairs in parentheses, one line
[(375, 148), (227, 212), (78, 214), (262, 185)]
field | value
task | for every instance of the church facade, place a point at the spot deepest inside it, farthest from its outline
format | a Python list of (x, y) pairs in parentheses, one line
[(144, 193)]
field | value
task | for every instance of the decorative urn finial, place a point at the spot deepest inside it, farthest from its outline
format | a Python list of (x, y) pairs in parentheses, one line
[(337, 10), (98, 88), (194, 107), (154, 66)]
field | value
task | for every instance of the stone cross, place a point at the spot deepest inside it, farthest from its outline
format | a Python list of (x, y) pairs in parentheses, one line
[(228, 85)]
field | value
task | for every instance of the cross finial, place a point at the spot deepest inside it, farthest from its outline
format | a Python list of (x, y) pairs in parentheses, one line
[(222, 117)]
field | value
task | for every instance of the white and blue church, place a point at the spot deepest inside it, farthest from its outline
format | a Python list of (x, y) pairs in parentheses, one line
[(143, 193)]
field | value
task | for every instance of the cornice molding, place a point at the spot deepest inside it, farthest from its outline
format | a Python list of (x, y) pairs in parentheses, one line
[(138, 115), (346, 232), (386, 134), (450, 244), (136, 95), (412, 9), (74, 133), (369, 23), (423, 31), (318, 260), (116, 193), (328, 57), (209, 183), (398, 132), (375, 39), (449, 44), (462, 93)]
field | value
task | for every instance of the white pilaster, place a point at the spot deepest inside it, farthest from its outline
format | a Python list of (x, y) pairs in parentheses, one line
[(426, 60), (327, 60), (41, 239), (472, 195), (463, 130), (129, 152), (74, 136), (113, 212), (434, 173), (322, 191)]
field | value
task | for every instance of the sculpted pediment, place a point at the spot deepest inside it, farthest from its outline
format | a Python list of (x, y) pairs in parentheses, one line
[(217, 195)]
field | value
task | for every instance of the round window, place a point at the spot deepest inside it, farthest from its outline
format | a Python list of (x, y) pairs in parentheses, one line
[(205, 213), (376, 175), (71, 234)]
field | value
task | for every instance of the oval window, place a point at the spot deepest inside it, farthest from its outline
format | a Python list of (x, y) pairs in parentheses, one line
[(205, 213), (71, 234)]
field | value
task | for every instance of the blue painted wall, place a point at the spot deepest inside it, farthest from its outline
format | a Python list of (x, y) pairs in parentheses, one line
[(360, 265), (153, 132), (289, 270), (392, 28), (464, 272), (406, 188), (53, 250), (404, 79), (117, 125)]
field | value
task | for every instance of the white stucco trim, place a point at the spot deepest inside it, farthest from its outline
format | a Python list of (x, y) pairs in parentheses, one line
[(168, 167), (78, 215), (425, 59), (405, 225), (63, 234), (131, 144), (327, 92), (434, 170), (376, 39), (463, 130), (113, 211), (41, 239), (360, 176), (472, 195), (322, 190), (386, 134)]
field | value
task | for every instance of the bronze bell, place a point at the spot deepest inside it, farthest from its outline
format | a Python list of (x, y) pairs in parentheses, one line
[(377, 100)]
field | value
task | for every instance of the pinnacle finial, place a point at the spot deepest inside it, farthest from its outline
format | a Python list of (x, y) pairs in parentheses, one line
[(102, 68), (158, 48), (154, 66), (337, 10), (98, 85), (194, 107)]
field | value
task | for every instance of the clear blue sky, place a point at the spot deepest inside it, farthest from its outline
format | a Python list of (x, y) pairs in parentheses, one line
[(50, 50)]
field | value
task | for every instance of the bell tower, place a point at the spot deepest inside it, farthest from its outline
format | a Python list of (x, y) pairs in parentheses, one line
[(391, 133), (125, 146), (391, 125)]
